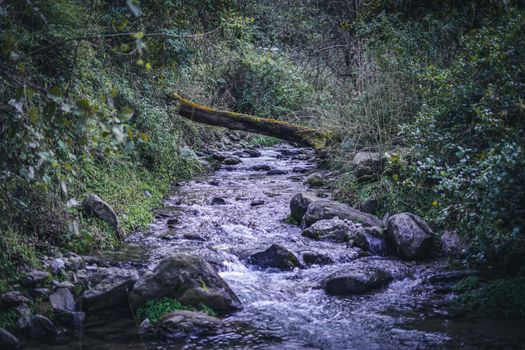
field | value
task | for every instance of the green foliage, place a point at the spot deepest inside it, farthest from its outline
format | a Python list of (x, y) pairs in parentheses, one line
[(263, 141), (470, 138), (499, 298), (155, 309), (291, 220), (8, 318), (16, 253)]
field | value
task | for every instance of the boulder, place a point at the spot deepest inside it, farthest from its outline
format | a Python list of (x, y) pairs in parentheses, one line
[(253, 153), (367, 164), (218, 201), (33, 278), (262, 167), (328, 209), (314, 258), (42, 328), (300, 170), (334, 230), (277, 257), (370, 239), (299, 204), (12, 299), (189, 279), (57, 265), (111, 291), (70, 319), (314, 180), (276, 172), (95, 205), (409, 236), (453, 245), (231, 161), (257, 202), (182, 324), (8, 341), (62, 299), (348, 281)]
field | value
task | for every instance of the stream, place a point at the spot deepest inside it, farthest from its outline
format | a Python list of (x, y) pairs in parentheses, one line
[(287, 309)]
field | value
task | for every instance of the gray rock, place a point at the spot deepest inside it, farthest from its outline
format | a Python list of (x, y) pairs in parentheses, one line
[(8, 341), (300, 170), (42, 328), (33, 278), (350, 281), (370, 206), (370, 239), (193, 237), (74, 263), (257, 202), (262, 167), (327, 209), (451, 275), (218, 156), (218, 201), (62, 299), (40, 293), (57, 265), (147, 329), (314, 180), (231, 161), (276, 256), (409, 236), (276, 172), (191, 280), (111, 291), (334, 230), (12, 299), (182, 324), (367, 164), (252, 152), (314, 258), (24, 314), (70, 319), (95, 205), (299, 204), (453, 245)]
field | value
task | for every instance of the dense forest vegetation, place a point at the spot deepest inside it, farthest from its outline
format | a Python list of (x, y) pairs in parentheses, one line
[(438, 87)]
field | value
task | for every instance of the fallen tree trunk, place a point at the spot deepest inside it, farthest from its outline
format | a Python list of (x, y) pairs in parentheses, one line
[(265, 126)]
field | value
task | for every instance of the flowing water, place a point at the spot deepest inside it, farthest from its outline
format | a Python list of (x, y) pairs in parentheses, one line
[(288, 310)]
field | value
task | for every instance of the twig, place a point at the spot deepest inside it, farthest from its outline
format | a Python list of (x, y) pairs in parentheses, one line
[(115, 35)]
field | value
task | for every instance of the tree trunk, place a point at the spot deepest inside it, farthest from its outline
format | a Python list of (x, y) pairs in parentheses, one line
[(264, 126)]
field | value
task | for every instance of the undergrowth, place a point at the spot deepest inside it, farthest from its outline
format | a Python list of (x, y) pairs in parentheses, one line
[(155, 309)]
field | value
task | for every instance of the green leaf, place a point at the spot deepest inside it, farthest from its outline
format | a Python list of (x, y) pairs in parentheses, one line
[(33, 115), (126, 113), (137, 35), (118, 133), (55, 94)]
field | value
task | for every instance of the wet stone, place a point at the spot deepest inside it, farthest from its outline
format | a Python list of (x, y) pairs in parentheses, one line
[(262, 167), (218, 201), (276, 172), (314, 258), (231, 161), (257, 202), (276, 256)]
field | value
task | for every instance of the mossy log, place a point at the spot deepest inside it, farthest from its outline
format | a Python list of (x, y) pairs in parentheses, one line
[(264, 126)]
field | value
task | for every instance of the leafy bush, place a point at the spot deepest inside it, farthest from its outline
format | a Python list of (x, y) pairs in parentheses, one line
[(155, 309), (470, 138), (500, 298)]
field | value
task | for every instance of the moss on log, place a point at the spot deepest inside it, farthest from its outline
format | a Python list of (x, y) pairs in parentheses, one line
[(264, 126)]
